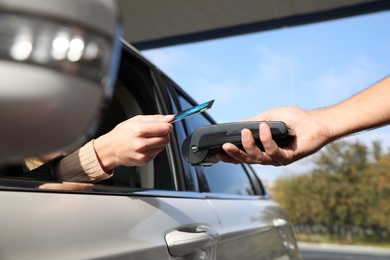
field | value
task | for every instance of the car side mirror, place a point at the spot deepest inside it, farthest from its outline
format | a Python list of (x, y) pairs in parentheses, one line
[(58, 64)]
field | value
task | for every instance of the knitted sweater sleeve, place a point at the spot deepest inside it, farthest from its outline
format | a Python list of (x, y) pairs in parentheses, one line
[(81, 166)]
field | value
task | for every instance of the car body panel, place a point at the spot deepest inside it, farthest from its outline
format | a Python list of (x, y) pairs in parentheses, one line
[(249, 229), (42, 225)]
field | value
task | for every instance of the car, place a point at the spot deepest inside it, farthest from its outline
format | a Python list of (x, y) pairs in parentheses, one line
[(167, 209)]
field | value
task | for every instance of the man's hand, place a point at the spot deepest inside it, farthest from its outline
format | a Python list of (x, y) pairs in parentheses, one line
[(310, 136)]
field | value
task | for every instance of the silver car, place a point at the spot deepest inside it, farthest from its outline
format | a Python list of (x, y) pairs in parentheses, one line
[(167, 209)]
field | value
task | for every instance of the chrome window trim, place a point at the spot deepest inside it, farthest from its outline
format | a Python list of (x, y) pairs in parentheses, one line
[(235, 196), (25, 185)]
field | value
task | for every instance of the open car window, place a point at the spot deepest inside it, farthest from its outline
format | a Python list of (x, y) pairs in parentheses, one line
[(154, 175), (134, 95)]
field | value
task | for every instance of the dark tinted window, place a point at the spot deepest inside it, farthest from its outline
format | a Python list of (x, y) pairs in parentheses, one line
[(225, 178), (221, 177)]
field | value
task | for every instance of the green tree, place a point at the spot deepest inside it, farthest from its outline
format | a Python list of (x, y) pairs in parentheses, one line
[(296, 196), (378, 176), (347, 188), (342, 166)]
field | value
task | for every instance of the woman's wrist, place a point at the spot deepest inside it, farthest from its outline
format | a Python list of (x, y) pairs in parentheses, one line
[(104, 154), (81, 166)]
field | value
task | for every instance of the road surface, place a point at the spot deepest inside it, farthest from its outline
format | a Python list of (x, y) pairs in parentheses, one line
[(312, 251)]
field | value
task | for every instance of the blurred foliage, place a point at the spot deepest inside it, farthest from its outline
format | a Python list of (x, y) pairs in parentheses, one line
[(346, 193)]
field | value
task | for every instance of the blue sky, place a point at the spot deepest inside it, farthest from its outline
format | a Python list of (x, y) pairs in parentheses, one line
[(309, 66)]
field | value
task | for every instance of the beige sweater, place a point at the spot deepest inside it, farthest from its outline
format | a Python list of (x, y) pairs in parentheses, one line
[(81, 166)]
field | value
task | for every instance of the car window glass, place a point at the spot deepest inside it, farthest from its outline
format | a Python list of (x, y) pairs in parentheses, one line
[(221, 177), (225, 178)]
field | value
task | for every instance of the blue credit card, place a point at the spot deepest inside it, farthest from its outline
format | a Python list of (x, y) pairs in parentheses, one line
[(193, 110)]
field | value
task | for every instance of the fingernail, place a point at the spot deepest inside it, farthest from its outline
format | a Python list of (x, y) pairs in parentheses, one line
[(244, 135), (169, 117), (263, 128)]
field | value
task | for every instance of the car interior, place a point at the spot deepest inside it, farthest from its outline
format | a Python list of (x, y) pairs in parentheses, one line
[(155, 174)]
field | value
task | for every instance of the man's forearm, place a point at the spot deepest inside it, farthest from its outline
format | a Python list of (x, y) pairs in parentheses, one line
[(366, 110)]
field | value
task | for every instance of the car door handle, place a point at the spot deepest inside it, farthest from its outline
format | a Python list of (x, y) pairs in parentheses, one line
[(184, 241)]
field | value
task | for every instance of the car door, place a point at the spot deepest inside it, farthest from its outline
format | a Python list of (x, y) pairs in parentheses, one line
[(254, 226), (40, 224), (140, 213)]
